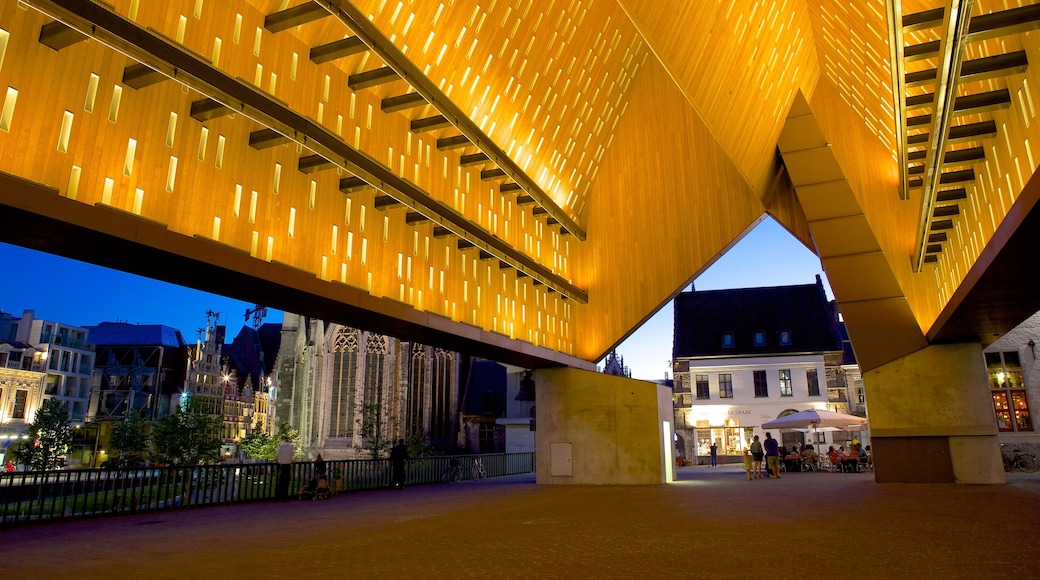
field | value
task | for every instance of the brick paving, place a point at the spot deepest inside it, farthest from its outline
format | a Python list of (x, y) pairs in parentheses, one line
[(711, 524)]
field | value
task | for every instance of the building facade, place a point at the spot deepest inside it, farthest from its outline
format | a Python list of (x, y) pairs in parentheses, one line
[(745, 357), (350, 392), (66, 357), (1014, 384)]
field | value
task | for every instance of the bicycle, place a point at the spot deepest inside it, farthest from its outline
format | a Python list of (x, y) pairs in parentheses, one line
[(453, 472), (477, 470), (1020, 461)]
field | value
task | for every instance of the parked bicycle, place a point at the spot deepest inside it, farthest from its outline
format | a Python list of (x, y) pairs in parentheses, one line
[(453, 472), (1020, 461), (477, 471)]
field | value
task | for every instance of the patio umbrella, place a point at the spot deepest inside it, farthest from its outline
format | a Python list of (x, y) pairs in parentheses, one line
[(814, 418)]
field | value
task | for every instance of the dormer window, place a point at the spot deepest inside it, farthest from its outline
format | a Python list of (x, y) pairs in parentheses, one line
[(785, 338), (760, 338), (727, 340)]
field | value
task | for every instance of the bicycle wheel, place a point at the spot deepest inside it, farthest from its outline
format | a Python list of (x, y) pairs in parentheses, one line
[(1026, 463)]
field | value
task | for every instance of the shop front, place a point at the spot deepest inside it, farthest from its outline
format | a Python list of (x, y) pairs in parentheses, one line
[(730, 439)]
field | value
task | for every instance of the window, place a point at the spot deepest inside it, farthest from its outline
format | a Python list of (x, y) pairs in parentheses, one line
[(785, 383), (813, 378), (727, 340), (785, 338), (344, 353), (18, 405), (702, 387), (760, 338), (761, 388), (725, 386), (1008, 389)]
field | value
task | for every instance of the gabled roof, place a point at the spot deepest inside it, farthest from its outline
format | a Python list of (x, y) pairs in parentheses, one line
[(703, 317), (125, 334)]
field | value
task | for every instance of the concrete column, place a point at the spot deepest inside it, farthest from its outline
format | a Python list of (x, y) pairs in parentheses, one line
[(594, 428), (931, 418)]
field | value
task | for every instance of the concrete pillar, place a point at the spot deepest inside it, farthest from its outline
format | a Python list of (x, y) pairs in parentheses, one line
[(594, 428), (931, 418)]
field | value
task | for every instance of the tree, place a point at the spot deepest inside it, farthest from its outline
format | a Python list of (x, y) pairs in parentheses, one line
[(188, 437), (49, 437), (130, 439), (375, 437), (257, 444), (285, 433)]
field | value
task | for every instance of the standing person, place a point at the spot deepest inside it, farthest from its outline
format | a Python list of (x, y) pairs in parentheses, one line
[(398, 457), (772, 448), (285, 454), (756, 457), (319, 467), (714, 453), (747, 463)]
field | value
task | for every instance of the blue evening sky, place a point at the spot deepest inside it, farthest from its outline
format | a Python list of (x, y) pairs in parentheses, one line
[(81, 294)]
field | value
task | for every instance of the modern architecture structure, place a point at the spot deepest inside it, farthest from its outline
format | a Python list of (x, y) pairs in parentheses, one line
[(1014, 384), (470, 174)]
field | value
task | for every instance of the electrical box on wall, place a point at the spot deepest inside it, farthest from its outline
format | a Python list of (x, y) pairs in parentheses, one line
[(560, 464)]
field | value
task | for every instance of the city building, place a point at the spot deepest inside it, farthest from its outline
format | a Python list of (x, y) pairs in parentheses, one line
[(744, 357), (250, 365), (67, 359), (21, 387), (350, 392), (615, 365), (1013, 375)]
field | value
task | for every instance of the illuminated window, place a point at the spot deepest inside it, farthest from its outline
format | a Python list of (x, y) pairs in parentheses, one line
[(760, 338), (727, 340), (1007, 386), (786, 390), (785, 338)]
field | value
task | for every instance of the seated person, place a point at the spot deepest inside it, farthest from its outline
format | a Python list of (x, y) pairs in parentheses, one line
[(833, 456), (850, 460), (809, 455), (862, 453)]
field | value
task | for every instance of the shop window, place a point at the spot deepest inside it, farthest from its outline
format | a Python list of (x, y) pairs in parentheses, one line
[(813, 378), (702, 387), (725, 386), (761, 387), (1007, 386), (786, 390)]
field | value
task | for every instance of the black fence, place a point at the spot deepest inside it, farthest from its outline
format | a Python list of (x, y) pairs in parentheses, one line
[(36, 496)]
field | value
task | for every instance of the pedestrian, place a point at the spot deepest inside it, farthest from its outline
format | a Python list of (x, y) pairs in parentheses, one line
[(319, 467), (714, 453), (772, 448), (285, 455), (756, 457), (398, 457), (747, 463), (9, 467)]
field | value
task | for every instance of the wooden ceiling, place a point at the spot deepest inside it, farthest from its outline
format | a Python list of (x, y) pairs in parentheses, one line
[(551, 171)]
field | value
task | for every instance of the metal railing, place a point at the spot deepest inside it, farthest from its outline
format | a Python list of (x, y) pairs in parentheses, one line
[(36, 496)]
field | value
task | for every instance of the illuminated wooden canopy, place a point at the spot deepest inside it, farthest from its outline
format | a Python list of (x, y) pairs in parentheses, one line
[(530, 178)]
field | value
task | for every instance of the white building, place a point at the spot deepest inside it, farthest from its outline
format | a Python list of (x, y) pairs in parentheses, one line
[(64, 356), (745, 357)]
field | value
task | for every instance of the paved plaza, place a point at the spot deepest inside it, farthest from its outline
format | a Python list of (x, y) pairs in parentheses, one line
[(712, 523)]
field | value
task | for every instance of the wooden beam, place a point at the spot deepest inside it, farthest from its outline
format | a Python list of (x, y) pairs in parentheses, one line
[(961, 156), (441, 232), (206, 109), (511, 187), (473, 159), (951, 194), (372, 78), (353, 184), (402, 102), (492, 174), (138, 76), (413, 217), (314, 163), (962, 176), (337, 49), (295, 16), (433, 123), (946, 210), (57, 35), (386, 202), (265, 138), (524, 200), (453, 142)]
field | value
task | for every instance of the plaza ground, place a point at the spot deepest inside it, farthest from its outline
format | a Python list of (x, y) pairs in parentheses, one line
[(712, 523)]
